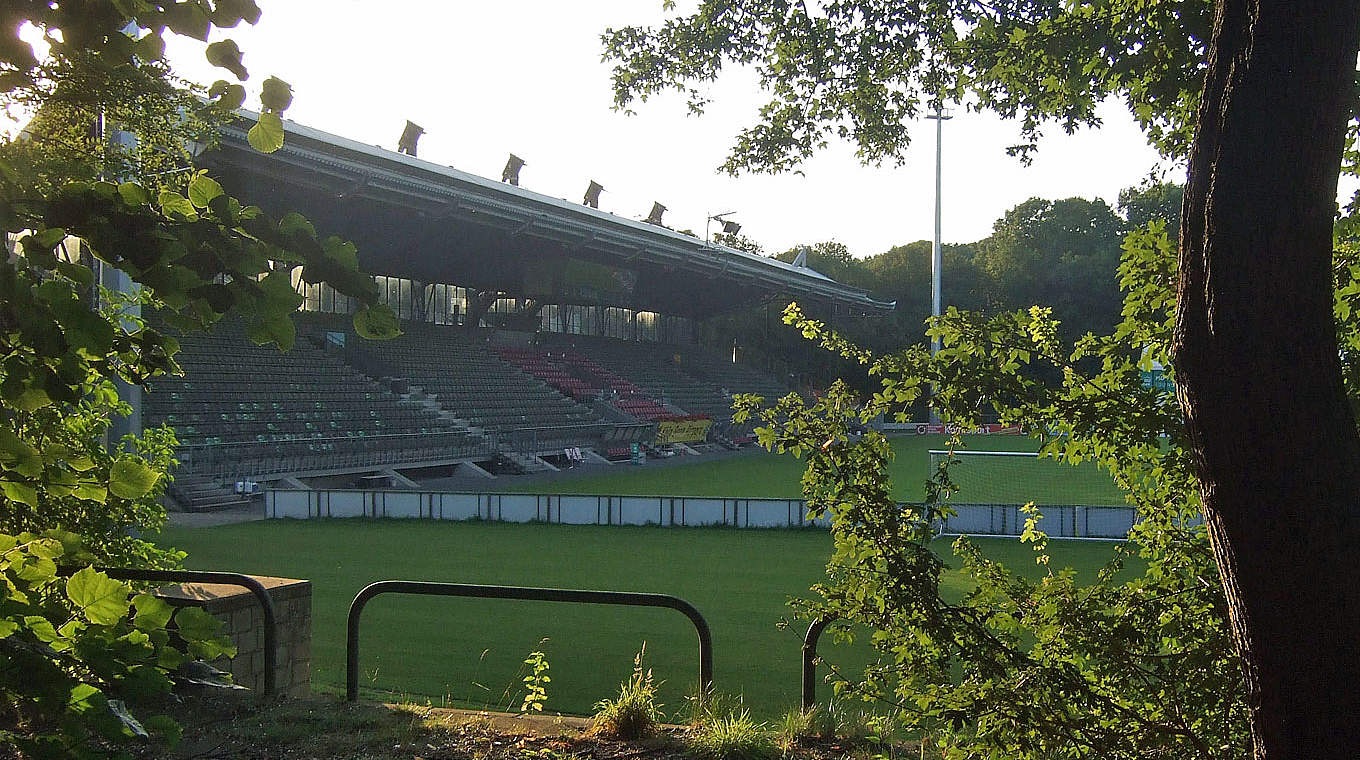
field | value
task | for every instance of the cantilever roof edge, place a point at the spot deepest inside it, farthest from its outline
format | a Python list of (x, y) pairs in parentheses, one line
[(362, 158)]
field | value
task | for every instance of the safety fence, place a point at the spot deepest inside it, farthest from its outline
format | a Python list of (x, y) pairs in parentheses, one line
[(522, 593), (1064, 521)]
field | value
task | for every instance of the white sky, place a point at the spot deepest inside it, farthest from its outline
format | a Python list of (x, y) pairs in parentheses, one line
[(525, 76)]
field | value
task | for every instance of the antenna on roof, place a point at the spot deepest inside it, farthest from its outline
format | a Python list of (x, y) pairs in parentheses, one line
[(511, 171), (655, 216), (593, 194), (409, 137), (801, 259)]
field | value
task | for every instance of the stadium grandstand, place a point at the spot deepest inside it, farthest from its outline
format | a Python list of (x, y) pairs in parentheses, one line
[(535, 331)]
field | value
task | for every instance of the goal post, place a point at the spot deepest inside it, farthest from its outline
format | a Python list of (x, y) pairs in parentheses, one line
[(1080, 501)]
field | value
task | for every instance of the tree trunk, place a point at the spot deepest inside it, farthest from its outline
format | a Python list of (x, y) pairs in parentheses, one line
[(1257, 369)]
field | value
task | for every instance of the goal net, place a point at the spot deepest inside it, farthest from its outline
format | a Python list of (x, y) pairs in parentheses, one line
[(1079, 501)]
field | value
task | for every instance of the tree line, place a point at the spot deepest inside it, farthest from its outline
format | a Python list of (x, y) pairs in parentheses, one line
[(1063, 254)]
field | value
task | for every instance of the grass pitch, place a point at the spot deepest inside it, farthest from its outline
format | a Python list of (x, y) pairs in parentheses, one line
[(470, 651), (760, 474)]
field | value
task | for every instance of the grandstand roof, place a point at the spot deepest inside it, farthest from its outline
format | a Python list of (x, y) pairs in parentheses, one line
[(417, 219)]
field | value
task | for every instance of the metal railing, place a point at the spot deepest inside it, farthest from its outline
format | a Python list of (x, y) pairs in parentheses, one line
[(243, 459), (527, 593), (532, 440), (253, 585), (237, 459), (814, 632)]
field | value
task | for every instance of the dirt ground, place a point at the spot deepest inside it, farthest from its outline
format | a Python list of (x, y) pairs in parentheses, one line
[(322, 728)]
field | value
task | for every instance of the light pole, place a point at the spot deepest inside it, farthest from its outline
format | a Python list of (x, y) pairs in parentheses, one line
[(936, 254), (708, 224)]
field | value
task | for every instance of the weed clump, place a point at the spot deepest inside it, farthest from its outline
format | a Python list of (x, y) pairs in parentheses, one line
[(634, 714), (732, 736)]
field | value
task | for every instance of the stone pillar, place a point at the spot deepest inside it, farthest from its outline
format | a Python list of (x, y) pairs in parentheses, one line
[(243, 622)]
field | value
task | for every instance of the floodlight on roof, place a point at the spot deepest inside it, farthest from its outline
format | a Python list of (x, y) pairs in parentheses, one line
[(728, 227), (593, 194), (511, 171), (409, 137), (655, 216)]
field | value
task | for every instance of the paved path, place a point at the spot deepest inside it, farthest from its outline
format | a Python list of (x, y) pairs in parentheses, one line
[(212, 519)]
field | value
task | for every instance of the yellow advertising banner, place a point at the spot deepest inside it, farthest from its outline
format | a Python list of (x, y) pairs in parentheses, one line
[(682, 431)]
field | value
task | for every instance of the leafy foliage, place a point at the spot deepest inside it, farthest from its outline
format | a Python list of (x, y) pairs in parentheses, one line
[(1128, 666), (100, 189), (535, 682), (861, 71), (85, 647), (1063, 254)]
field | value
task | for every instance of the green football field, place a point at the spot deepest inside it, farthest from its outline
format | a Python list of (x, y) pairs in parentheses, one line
[(470, 651), (981, 479)]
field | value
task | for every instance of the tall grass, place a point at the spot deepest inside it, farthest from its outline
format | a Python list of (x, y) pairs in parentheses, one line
[(634, 714)]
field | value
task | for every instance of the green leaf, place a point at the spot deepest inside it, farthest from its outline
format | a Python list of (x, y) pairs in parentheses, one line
[(188, 19), (50, 237), (41, 628), (92, 492), (293, 223), (131, 478), (166, 728), (78, 273), (276, 95), (229, 96), (151, 47), (152, 612), (196, 625), (376, 322), (22, 493), (202, 190), (47, 547), (173, 203), (82, 694), (17, 455), (103, 600), (228, 13), (267, 134), (226, 54), (279, 330), (69, 543), (134, 194), (34, 570)]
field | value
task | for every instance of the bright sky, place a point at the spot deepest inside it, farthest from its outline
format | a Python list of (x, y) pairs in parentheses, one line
[(525, 76)]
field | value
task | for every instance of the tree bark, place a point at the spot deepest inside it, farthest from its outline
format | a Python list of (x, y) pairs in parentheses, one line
[(1257, 369)]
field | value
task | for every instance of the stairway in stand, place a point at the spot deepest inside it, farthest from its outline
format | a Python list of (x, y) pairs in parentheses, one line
[(527, 464), (195, 493)]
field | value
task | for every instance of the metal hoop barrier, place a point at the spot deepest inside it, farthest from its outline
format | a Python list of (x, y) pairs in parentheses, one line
[(271, 635), (814, 632), (577, 596)]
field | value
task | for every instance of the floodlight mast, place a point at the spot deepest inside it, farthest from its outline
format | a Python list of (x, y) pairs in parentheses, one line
[(936, 251), (708, 224)]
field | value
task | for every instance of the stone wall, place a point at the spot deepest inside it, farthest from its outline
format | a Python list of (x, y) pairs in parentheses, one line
[(243, 621)]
